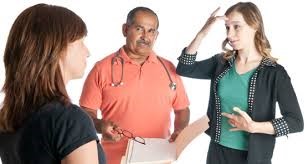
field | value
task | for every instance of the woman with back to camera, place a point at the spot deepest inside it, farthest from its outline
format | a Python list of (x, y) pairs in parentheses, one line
[(38, 123), (246, 83)]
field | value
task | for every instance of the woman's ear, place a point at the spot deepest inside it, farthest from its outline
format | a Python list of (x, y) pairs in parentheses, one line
[(124, 29), (62, 60)]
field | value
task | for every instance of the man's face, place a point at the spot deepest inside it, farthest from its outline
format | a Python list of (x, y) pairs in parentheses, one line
[(141, 34)]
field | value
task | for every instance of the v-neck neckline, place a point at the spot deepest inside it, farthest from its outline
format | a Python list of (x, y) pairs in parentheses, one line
[(243, 74)]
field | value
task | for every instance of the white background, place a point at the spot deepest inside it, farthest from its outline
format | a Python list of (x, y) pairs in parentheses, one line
[(179, 22)]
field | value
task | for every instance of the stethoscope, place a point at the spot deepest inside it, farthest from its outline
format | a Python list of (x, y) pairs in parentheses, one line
[(172, 85)]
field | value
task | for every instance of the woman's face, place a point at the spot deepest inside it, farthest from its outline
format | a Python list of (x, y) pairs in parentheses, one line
[(239, 33), (74, 61)]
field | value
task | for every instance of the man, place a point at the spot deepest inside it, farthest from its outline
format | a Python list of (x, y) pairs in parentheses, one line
[(135, 89)]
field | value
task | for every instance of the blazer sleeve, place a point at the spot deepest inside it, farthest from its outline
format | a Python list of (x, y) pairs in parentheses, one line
[(189, 67), (292, 119)]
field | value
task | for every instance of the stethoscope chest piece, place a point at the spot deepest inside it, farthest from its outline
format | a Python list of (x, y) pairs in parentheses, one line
[(116, 84), (172, 86)]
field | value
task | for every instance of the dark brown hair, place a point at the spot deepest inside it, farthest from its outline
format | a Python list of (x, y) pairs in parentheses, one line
[(253, 18), (38, 38)]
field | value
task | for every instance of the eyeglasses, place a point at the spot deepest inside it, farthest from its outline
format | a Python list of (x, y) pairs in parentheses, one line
[(130, 135)]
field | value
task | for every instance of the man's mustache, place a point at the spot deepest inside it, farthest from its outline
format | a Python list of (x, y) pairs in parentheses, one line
[(143, 42)]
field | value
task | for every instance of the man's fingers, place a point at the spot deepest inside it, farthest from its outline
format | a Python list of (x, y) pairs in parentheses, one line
[(174, 136), (112, 136)]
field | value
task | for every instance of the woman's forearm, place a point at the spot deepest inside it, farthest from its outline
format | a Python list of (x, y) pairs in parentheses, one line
[(262, 127)]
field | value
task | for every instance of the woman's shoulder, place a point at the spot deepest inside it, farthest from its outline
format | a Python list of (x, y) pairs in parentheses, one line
[(57, 113), (61, 128), (220, 58), (273, 65), (58, 118), (275, 69)]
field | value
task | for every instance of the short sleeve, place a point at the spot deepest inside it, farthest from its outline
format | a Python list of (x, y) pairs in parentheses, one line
[(91, 96), (72, 129), (180, 100)]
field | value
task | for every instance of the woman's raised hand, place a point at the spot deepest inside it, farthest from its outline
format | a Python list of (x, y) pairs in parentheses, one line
[(195, 43), (210, 21)]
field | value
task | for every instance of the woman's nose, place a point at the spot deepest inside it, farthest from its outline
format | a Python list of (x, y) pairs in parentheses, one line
[(230, 34)]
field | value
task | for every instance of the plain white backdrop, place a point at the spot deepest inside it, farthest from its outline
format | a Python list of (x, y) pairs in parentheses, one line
[(179, 22)]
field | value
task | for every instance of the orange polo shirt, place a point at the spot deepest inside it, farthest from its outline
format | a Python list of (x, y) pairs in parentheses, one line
[(141, 105)]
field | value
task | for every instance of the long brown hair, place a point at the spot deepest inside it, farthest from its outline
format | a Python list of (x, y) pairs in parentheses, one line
[(38, 38), (253, 18)]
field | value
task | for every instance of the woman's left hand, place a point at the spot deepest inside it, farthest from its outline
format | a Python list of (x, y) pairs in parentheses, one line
[(240, 121)]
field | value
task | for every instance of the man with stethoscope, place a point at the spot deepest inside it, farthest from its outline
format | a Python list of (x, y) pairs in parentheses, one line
[(135, 89)]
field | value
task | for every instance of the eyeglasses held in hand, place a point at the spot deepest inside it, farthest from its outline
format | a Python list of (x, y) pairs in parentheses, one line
[(130, 135)]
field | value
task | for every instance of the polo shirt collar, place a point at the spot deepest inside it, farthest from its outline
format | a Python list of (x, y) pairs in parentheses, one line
[(152, 58)]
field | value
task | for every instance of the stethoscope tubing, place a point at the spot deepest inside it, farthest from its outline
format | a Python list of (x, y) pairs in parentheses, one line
[(113, 60), (114, 83)]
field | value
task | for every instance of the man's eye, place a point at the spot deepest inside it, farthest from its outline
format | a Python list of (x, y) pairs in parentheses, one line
[(236, 27), (152, 31), (227, 28)]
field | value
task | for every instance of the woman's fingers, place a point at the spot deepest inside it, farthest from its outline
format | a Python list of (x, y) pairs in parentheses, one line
[(242, 113), (228, 115), (215, 11)]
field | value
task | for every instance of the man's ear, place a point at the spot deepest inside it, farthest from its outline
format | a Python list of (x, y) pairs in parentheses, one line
[(124, 29), (156, 35)]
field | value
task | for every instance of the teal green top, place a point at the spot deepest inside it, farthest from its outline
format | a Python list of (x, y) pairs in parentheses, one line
[(233, 92)]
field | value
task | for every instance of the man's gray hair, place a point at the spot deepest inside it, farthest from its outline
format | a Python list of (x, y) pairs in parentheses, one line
[(132, 13)]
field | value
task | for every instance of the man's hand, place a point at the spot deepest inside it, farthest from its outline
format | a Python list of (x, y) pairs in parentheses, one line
[(174, 135), (181, 120), (108, 131)]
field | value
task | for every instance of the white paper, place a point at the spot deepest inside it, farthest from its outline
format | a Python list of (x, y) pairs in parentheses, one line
[(156, 150), (160, 151)]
